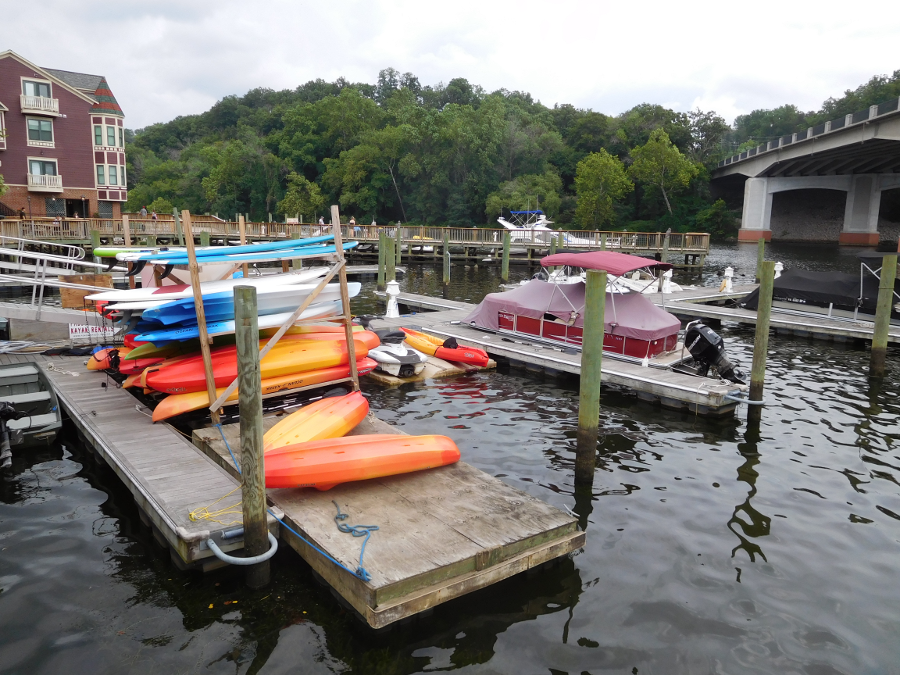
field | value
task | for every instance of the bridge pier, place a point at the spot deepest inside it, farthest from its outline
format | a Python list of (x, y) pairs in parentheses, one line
[(861, 213), (756, 219)]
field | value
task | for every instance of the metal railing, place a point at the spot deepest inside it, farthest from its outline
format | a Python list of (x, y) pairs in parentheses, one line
[(852, 119)]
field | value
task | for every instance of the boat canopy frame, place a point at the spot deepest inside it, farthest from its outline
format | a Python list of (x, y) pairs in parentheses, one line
[(614, 263)]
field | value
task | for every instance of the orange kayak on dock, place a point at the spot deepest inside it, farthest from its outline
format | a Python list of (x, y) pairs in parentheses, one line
[(324, 464), (327, 418), (178, 404), (435, 346), (285, 358)]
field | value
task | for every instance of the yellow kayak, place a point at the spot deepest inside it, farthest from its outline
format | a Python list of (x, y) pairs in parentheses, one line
[(327, 418)]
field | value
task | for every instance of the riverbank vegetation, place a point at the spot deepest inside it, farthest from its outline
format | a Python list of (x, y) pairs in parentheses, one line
[(453, 154)]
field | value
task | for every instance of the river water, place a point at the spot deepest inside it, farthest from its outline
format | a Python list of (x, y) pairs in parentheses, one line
[(710, 548)]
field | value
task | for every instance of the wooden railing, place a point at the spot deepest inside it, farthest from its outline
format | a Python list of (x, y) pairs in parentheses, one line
[(79, 229)]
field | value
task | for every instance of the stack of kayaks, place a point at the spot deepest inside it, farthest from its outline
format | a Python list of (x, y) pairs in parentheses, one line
[(448, 349)]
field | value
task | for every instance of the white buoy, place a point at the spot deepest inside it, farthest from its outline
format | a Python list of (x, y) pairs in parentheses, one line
[(779, 268), (393, 309), (667, 281)]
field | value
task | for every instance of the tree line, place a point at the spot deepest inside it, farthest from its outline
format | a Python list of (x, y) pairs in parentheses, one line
[(453, 154)]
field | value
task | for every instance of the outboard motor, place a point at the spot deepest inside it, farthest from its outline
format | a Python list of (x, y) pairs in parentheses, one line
[(708, 350)]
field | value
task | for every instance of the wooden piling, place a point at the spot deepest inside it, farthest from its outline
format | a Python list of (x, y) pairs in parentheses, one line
[(504, 264), (345, 297), (126, 231), (204, 238), (253, 477), (382, 260), (296, 263), (242, 229), (201, 313), (553, 243), (446, 255), (390, 265), (178, 231), (603, 241), (589, 389), (665, 256), (761, 339), (398, 257), (883, 316), (95, 239), (760, 257)]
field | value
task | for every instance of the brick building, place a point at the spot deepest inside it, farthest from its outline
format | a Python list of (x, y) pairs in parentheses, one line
[(62, 142)]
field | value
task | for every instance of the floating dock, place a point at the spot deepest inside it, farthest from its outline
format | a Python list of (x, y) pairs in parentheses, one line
[(674, 390), (443, 533)]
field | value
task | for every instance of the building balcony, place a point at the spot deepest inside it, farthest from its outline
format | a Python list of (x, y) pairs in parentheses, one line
[(38, 105), (43, 183)]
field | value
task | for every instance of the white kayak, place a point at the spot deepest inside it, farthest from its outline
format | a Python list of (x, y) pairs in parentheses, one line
[(177, 292)]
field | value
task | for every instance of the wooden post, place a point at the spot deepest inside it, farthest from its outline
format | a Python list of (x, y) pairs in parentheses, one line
[(178, 231), (761, 340), (446, 252), (296, 263), (126, 229), (382, 260), (204, 238), (883, 315), (201, 313), (242, 229), (399, 255), (504, 263), (603, 241), (390, 265), (253, 476), (345, 296), (665, 256), (95, 239), (553, 244), (760, 257), (591, 362)]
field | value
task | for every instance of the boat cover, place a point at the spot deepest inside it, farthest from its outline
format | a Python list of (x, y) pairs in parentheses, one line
[(628, 314), (614, 263), (821, 289)]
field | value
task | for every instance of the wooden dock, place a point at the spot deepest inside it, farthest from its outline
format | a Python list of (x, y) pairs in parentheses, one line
[(167, 475), (674, 390), (442, 533)]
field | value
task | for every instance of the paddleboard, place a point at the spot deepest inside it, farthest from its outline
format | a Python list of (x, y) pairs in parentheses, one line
[(175, 292), (206, 251), (258, 256), (326, 463)]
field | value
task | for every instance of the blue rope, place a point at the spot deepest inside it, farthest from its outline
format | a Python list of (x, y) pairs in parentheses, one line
[(361, 572), (356, 531)]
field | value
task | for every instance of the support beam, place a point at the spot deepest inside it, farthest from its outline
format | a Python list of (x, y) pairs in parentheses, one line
[(757, 216), (861, 213)]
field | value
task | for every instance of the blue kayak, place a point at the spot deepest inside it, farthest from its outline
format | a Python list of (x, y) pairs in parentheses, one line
[(181, 258), (231, 250)]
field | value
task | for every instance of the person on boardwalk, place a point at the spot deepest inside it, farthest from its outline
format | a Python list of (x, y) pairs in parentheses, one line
[(143, 212), (153, 215), (321, 220)]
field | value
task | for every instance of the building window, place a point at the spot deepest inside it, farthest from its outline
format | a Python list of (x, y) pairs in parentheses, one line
[(40, 130), (111, 136), (105, 209), (2, 134), (113, 179), (55, 207), (101, 178), (41, 89), (37, 167), (98, 134), (122, 176), (121, 138)]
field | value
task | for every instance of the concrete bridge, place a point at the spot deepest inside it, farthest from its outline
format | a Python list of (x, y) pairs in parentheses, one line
[(836, 181)]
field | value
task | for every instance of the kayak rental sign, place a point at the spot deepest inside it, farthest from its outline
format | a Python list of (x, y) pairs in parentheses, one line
[(80, 333)]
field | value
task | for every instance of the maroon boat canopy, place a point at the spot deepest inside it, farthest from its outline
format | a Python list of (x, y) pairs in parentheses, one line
[(610, 261)]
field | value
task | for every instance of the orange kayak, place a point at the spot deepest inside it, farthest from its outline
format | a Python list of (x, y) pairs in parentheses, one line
[(327, 418), (324, 464), (100, 360), (289, 357), (178, 404), (429, 344)]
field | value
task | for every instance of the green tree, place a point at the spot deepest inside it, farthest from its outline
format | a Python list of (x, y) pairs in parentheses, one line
[(661, 164), (708, 130), (767, 125), (600, 181), (302, 196), (160, 205), (526, 193), (3, 187), (228, 163)]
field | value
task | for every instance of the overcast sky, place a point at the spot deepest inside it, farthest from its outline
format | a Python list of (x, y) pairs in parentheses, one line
[(178, 57)]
